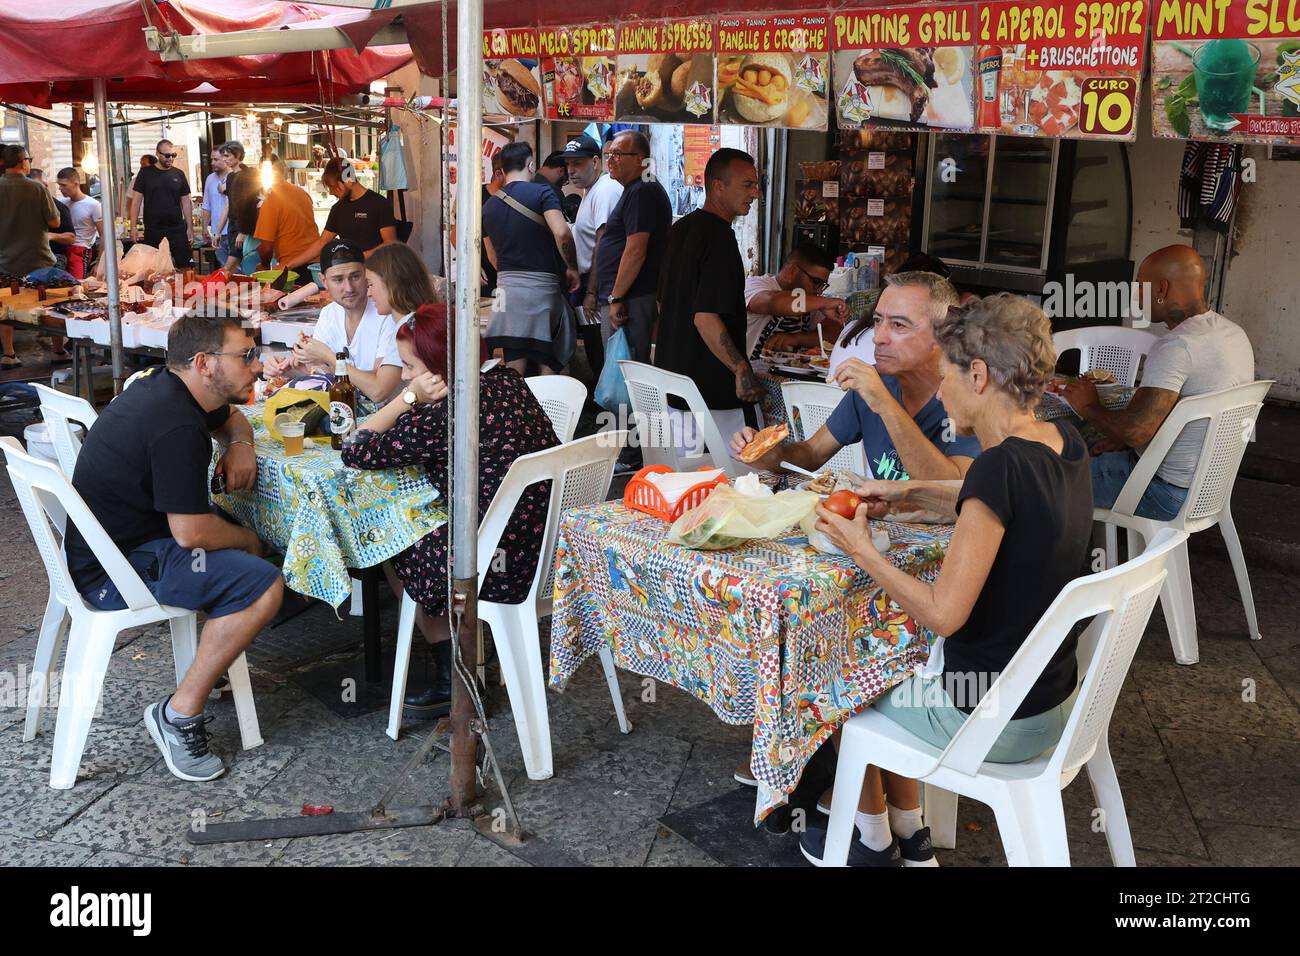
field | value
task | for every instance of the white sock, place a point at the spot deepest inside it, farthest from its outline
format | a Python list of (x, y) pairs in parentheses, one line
[(876, 834), (904, 823)]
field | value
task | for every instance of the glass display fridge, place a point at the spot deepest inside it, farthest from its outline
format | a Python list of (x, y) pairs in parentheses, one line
[(1017, 213)]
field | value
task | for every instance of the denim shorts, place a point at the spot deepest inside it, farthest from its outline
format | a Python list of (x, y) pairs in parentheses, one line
[(1161, 501), (216, 582), (922, 706)]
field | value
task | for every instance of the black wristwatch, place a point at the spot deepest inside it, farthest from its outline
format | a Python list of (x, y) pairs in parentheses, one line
[(616, 299)]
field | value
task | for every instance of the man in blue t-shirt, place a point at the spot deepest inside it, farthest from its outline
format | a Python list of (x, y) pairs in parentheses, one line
[(892, 407)]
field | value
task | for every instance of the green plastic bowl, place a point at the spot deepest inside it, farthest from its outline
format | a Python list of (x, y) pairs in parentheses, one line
[(267, 276)]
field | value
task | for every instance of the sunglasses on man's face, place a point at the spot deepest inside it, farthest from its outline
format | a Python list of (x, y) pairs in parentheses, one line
[(168, 155), (818, 284), (248, 355)]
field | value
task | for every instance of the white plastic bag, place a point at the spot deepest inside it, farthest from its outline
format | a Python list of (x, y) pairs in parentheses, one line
[(728, 518)]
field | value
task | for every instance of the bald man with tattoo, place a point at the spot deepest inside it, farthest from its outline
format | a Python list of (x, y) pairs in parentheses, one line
[(1202, 353)]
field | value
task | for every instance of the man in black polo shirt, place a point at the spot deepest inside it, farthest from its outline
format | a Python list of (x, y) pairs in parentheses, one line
[(168, 209), (629, 253), (143, 471), (361, 216), (702, 297)]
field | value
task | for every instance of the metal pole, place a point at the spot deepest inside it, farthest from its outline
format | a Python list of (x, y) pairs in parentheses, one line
[(465, 389), (108, 198)]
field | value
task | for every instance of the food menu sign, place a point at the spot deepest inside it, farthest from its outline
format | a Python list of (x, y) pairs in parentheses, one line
[(1226, 71), (578, 71), (665, 72), (774, 71), (512, 88), (905, 68), (1060, 68)]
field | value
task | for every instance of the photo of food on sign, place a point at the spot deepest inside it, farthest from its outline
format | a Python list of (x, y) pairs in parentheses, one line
[(1063, 70), (665, 72), (774, 71), (905, 67), (512, 87), (578, 72)]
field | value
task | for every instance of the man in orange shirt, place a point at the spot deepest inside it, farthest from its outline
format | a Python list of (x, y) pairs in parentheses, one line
[(286, 223)]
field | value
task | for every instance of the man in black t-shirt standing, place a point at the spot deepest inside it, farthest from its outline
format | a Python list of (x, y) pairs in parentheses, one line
[(361, 216), (630, 252), (143, 472), (702, 296), (168, 210)]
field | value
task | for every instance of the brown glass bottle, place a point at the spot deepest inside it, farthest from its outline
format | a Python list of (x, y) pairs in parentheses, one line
[(343, 403)]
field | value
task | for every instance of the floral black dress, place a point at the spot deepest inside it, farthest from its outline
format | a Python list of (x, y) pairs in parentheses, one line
[(511, 423)]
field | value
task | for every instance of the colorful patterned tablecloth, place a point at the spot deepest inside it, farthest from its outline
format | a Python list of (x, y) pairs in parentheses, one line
[(327, 518), (771, 634)]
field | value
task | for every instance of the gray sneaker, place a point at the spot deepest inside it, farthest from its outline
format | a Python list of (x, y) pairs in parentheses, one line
[(184, 745)]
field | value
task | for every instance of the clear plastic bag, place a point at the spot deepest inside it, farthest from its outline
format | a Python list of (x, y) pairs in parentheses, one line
[(728, 518)]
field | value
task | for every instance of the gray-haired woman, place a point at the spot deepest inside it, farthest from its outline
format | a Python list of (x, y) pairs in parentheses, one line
[(1024, 519)]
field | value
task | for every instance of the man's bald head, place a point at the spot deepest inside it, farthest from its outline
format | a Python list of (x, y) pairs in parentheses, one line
[(1177, 279)]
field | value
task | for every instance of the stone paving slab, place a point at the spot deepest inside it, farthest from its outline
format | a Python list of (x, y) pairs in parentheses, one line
[(438, 845), (151, 821), (1226, 778), (29, 807)]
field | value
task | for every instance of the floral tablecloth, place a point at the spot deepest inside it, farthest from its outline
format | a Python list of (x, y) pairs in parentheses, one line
[(771, 634), (327, 518)]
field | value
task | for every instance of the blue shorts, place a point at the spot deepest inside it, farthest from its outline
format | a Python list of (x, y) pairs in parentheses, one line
[(1161, 501), (216, 582)]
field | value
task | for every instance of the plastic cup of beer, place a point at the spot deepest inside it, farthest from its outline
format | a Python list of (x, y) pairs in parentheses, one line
[(292, 433)]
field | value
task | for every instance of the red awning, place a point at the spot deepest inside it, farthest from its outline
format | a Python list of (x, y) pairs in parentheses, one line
[(54, 54)]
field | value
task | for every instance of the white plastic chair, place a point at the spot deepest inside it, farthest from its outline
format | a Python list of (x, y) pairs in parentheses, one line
[(649, 388), (1115, 348), (60, 411), (1229, 416), (580, 474), (562, 398), (43, 491), (813, 402), (1025, 797)]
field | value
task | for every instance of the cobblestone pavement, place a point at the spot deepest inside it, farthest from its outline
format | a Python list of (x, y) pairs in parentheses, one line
[(1208, 756)]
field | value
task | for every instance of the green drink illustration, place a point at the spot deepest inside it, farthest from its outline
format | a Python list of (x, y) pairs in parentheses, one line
[(1225, 75)]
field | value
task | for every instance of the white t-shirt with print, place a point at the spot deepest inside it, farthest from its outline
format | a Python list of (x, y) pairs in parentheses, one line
[(374, 343), (758, 327), (1202, 354), (863, 347), (594, 212)]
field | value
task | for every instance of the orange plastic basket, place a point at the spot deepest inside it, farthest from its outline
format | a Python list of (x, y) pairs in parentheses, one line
[(641, 495)]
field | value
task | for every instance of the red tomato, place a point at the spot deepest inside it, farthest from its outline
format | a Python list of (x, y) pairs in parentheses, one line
[(843, 503)]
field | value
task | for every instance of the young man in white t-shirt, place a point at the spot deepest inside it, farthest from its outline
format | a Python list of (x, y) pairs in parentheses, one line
[(582, 157), (1202, 353), (87, 221), (784, 308), (350, 324)]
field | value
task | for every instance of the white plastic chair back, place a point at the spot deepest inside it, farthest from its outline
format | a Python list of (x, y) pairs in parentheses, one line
[(1113, 348), (60, 412), (1121, 600), (44, 491), (649, 388), (813, 402), (1229, 420), (580, 473), (562, 398)]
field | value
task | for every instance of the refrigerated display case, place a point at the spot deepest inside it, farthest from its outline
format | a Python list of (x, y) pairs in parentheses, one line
[(1016, 213)]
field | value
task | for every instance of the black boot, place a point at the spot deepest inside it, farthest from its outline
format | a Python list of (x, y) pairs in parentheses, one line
[(435, 699)]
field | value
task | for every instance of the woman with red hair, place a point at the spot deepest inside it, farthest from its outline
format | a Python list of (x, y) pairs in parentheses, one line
[(412, 430)]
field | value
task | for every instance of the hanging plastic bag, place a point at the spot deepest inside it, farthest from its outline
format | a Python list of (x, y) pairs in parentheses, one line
[(728, 518), (611, 388), (392, 161)]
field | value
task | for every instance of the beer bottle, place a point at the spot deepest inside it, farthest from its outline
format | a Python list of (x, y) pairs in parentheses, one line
[(343, 403)]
